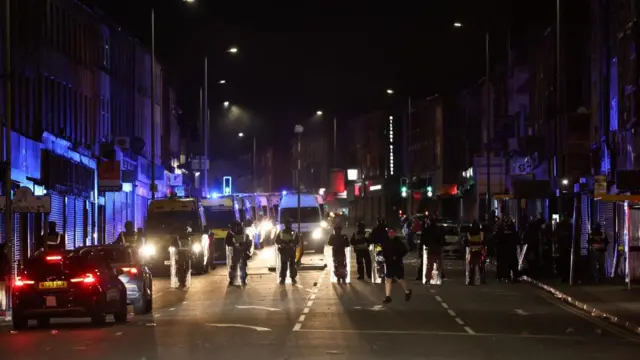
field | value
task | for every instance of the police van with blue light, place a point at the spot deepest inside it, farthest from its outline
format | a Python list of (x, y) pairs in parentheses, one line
[(313, 229), (221, 212)]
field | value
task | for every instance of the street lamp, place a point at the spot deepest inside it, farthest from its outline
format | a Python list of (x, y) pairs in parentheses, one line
[(390, 91), (240, 134), (298, 131), (222, 81), (225, 104), (318, 112), (189, 1), (233, 50), (457, 24)]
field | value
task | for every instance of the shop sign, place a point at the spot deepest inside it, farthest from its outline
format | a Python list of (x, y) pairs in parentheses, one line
[(109, 176), (25, 202), (599, 185)]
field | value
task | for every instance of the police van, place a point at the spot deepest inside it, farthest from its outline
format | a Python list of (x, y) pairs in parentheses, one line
[(167, 219), (221, 213), (313, 229)]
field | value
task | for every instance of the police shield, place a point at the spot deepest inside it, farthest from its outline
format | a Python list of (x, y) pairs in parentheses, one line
[(173, 260), (377, 262), (435, 273), (232, 267), (339, 267), (472, 267)]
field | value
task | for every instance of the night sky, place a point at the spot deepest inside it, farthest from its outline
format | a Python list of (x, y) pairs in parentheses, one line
[(336, 56)]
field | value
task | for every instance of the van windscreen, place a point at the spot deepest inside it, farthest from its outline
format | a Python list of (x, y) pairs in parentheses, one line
[(309, 214)]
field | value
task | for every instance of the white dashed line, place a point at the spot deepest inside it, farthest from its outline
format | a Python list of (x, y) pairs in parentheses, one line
[(453, 314), (309, 303)]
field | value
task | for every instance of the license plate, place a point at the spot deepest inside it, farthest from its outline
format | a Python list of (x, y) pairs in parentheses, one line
[(167, 262), (50, 301), (53, 285)]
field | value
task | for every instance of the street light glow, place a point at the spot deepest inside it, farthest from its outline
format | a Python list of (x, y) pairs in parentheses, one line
[(222, 82), (457, 24), (240, 134), (226, 104), (318, 112), (389, 91), (233, 50), (189, 1)]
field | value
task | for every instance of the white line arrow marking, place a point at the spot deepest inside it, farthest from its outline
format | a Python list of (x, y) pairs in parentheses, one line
[(521, 312), (257, 307), (256, 328)]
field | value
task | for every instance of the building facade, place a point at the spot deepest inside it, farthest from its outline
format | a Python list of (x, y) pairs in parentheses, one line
[(79, 90)]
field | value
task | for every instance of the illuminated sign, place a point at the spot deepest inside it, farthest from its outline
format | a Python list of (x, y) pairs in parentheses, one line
[(226, 185), (375, 187), (352, 174), (391, 163)]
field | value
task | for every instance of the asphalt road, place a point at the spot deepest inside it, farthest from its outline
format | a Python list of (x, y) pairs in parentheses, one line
[(317, 319)]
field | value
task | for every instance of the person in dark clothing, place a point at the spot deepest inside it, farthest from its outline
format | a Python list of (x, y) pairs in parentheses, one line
[(474, 243), (128, 236), (508, 240), (241, 245), (361, 240), (54, 240), (287, 240), (598, 243), (563, 236), (339, 243), (433, 238), (5, 271), (393, 251)]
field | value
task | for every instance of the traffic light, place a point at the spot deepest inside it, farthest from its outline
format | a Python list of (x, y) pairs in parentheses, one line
[(226, 185), (403, 187), (429, 191)]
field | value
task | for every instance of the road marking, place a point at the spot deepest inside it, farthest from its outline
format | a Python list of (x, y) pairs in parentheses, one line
[(444, 305), (172, 309), (521, 312), (256, 328), (312, 296), (451, 313), (257, 307), (459, 321), (468, 329), (391, 332), (439, 298)]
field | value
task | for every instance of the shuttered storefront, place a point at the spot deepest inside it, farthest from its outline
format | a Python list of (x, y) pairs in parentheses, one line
[(17, 250), (118, 213), (141, 211), (585, 223), (90, 223), (109, 217), (622, 230), (70, 224), (80, 205)]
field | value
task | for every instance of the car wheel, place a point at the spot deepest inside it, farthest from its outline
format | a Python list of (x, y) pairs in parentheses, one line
[(19, 322), (120, 316), (44, 322)]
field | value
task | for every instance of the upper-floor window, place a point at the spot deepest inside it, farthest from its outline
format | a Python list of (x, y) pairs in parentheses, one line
[(105, 52)]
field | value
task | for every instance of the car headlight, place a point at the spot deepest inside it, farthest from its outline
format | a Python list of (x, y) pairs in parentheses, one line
[(196, 247), (267, 225), (324, 224), (317, 234), (148, 250)]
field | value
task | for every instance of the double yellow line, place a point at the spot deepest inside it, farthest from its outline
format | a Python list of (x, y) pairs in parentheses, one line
[(600, 322)]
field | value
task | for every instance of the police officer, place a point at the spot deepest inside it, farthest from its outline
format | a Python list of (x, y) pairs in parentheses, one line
[(128, 236), (287, 240), (508, 240), (563, 237), (241, 246), (433, 238), (339, 244), (598, 243), (54, 240), (474, 243), (360, 240)]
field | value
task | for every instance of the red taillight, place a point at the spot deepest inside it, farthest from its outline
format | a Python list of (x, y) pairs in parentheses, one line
[(87, 278), (20, 281), (132, 271), (54, 258)]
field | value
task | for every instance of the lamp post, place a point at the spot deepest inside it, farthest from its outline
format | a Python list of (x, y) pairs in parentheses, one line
[(253, 162), (298, 131)]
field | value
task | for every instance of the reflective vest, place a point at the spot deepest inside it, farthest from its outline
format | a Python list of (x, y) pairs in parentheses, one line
[(363, 245), (597, 243), (287, 237), (475, 242), (621, 247)]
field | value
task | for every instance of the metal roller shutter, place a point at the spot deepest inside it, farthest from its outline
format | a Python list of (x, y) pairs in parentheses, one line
[(17, 249), (80, 205), (126, 208), (57, 212), (141, 211), (70, 230), (585, 223), (118, 213), (109, 223), (90, 229), (622, 231)]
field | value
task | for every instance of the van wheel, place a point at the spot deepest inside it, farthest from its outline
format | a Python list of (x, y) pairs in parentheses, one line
[(121, 315)]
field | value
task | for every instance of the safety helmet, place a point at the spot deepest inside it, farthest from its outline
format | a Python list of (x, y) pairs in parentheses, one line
[(381, 220)]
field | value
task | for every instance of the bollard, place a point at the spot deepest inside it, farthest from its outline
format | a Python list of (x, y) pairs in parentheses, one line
[(377, 264), (230, 269), (329, 255)]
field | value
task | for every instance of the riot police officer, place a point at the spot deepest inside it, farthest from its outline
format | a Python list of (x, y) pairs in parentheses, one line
[(128, 236), (287, 240), (241, 246), (360, 240), (475, 247), (55, 241), (598, 243), (339, 244)]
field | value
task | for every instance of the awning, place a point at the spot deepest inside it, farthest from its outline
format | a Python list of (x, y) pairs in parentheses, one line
[(615, 198)]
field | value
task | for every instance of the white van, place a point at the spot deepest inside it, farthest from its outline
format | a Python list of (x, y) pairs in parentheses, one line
[(314, 230)]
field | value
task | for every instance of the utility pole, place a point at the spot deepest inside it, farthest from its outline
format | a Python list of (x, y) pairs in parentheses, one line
[(206, 125), (253, 165), (335, 142), (488, 125), (8, 118), (154, 186)]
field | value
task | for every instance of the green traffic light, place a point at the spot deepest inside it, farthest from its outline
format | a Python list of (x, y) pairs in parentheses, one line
[(429, 189), (403, 189)]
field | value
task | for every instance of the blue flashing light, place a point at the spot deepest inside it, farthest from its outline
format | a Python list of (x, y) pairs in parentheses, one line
[(284, 192), (215, 195)]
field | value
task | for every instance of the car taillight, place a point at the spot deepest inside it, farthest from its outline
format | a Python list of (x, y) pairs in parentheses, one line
[(20, 282), (132, 271), (54, 258), (87, 279)]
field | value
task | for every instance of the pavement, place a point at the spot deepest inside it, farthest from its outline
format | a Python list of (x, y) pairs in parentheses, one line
[(317, 319)]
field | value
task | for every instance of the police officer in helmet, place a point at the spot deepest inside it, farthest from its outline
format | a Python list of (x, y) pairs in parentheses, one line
[(241, 246), (360, 240), (287, 240)]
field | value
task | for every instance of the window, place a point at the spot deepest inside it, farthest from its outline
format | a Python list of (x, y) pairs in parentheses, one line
[(105, 52)]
